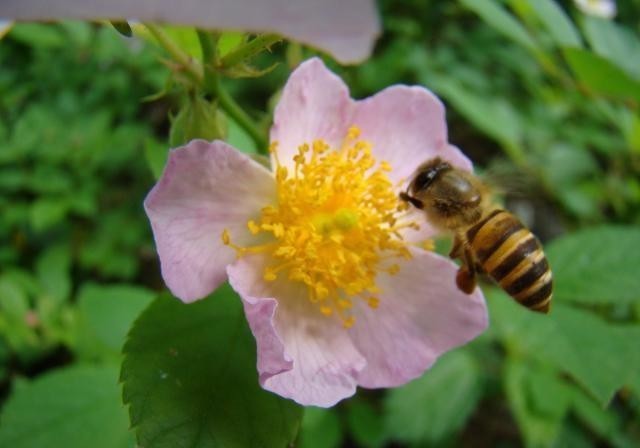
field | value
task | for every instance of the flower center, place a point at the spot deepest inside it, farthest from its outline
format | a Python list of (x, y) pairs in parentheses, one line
[(335, 226)]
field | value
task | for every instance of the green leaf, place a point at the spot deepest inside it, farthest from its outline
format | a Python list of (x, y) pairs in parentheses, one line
[(601, 75), (436, 405), (37, 35), (502, 21), (47, 212), (598, 265), (53, 269), (539, 399), (14, 312), (110, 311), (229, 40), (156, 154), (184, 36), (190, 378), (122, 27), (607, 425), (239, 138), (320, 429), (600, 356), (13, 299), (72, 407), (556, 22), (366, 425), (493, 116), (614, 42)]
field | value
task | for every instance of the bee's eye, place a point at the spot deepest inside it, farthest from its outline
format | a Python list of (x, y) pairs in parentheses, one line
[(424, 179)]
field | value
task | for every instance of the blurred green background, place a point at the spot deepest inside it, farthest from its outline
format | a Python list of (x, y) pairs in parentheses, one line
[(543, 98)]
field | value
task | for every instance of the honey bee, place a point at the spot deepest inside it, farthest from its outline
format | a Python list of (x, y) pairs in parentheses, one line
[(487, 238)]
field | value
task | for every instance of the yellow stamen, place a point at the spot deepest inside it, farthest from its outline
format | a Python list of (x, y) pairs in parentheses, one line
[(335, 224), (429, 245)]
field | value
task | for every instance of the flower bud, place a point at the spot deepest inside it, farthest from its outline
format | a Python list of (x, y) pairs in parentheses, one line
[(198, 118)]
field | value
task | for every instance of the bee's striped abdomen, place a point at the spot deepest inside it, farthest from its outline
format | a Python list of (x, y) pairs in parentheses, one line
[(510, 254)]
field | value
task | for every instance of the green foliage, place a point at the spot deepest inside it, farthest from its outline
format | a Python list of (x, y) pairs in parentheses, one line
[(602, 76), (71, 142), (614, 42), (501, 20), (122, 27), (71, 407), (583, 345), (189, 377), (366, 424), (555, 21), (435, 406), (110, 311), (197, 119), (320, 428), (539, 398), (597, 266)]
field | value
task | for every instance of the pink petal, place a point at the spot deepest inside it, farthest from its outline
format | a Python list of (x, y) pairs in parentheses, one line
[(205, 188), (315, 104), (345, 28), (422, 314), (406, 126), (302, 354)]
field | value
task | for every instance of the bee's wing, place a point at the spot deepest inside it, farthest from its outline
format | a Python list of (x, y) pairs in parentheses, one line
[(507, 182)]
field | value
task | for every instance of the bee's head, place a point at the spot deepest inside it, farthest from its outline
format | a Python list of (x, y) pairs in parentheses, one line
[(448, 195)]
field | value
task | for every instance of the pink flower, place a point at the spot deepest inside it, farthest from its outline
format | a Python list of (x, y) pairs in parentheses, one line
[(335, 286), (346, 29)]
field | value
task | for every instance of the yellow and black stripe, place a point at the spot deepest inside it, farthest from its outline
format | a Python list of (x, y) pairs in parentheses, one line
[(511, 255)]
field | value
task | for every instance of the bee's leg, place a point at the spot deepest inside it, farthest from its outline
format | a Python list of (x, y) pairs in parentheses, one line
[(466, 276), (456, 250)]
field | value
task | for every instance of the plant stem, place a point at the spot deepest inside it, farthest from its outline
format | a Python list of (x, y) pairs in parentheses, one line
[(208, 78), (209, 46), (190, 66), (232, 109), (249, 49), (212, 84)]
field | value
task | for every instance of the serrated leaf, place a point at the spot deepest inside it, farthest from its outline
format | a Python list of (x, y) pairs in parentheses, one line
[(320, 429), (614, 42), (596, 265), (436, 405), (190, 378), (602, 76), (502, 21), (600, 356), (72, 407), (109, 311), (556, 22)]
